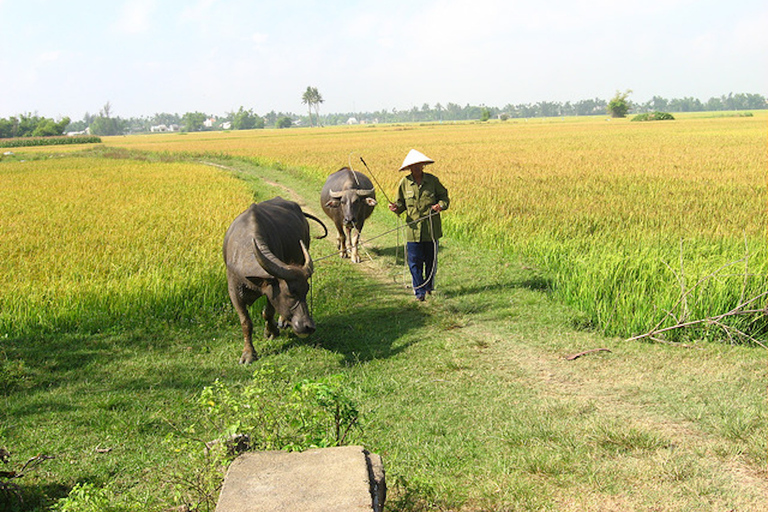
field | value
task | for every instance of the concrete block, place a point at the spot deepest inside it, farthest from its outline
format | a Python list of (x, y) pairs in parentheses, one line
[(345, 478)]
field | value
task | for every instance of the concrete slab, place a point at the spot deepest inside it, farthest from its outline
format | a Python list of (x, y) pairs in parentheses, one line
[(345, 478)]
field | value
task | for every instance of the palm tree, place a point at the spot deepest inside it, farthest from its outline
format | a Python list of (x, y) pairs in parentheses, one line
[(310, 98), (318, 100)]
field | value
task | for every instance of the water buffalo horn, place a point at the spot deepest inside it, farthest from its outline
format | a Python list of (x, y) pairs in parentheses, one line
[(368, 192), (335, 195), (269, 261), (309, 267)]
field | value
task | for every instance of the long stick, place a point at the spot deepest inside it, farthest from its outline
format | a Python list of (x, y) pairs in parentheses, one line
[(377, 181)]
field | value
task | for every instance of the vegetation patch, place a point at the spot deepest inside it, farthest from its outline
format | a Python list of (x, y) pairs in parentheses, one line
[(654, 116), (48, 141)]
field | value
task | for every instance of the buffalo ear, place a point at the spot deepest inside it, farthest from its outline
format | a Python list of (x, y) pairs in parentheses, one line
[(260, 281), (371, 201), (333, 203)]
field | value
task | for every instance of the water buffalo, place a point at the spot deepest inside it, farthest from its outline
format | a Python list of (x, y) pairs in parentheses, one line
[(348, 198), (266, 252)]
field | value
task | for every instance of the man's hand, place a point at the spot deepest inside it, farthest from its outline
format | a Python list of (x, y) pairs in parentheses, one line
[(392, 207), (437, 208)]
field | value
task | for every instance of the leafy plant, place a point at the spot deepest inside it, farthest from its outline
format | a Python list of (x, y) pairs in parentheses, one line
[(331, 401), (654, 116), (268, 413), (88, 497), (619, 105)]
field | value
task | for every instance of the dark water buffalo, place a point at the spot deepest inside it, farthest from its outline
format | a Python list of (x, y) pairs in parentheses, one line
[(348, 198), (266, 251)]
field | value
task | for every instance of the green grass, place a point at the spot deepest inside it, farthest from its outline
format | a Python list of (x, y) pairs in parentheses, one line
[(467, 397)]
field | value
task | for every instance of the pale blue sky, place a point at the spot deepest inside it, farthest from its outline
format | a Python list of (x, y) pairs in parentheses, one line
[(65, 58)]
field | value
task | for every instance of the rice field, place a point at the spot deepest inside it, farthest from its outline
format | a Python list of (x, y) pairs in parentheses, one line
[(81, 238), (627, 221)]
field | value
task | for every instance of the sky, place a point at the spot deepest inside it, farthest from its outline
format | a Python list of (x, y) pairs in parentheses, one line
[(68, 58)]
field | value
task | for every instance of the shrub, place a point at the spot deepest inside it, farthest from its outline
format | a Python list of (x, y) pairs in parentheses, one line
[(654, 116)]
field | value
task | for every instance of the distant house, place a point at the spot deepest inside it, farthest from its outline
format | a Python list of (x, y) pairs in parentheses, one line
[(226, 125), (208, 123), (160, 128), (352, 120), (87, 131)]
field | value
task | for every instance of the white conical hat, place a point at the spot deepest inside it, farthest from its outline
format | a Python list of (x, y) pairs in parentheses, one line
[(415, 157)]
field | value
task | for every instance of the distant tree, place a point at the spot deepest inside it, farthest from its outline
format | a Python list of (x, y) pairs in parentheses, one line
[(658, 103), (49, 128), (308, 98), (686, 104), (548, 109), (619, 105), (105, 124), (283, 122), (193, 121), (312, 98), (485, 115), (8, 127), (32, 126), (246, 120), (714, 104), (590, 107), (166, 119)]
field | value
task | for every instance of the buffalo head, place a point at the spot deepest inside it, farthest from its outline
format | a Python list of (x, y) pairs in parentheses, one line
[(351, 202), (288, 291)]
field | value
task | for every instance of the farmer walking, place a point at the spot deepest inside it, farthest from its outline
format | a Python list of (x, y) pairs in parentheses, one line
[(422, 197)]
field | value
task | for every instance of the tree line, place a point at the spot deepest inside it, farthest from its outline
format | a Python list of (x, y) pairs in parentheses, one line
[(104, 123)]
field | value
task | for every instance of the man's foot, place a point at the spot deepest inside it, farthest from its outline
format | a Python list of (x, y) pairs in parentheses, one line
[(420, 298)]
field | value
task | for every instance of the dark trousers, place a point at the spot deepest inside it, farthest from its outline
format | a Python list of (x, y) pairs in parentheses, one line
[(422, 261)]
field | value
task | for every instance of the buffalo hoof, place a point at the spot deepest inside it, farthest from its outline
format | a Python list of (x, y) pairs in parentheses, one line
[(271, 331), (247, 358)]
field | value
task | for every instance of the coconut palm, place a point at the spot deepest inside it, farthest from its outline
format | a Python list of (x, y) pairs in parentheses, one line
[(312, 98)]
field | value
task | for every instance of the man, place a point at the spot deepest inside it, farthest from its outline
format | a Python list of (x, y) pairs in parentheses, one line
[(422, 197)]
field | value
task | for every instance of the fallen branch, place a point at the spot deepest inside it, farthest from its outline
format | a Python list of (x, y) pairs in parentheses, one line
[(576, 356), (716, 320)]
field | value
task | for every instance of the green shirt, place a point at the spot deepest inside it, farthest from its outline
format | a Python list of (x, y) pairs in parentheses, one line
[(416, 201)]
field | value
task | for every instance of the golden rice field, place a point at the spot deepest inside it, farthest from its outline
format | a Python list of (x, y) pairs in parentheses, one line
[(621, 216), (84, 237), (623, 219)]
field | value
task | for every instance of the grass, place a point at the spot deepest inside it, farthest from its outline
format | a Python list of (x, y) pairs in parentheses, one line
[(468, 397)]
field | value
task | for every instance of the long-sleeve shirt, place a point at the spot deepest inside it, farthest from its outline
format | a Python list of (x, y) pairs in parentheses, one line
[(417, 201)]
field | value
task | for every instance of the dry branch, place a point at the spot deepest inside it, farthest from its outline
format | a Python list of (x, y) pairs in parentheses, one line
[(716, 320), (576, 356)]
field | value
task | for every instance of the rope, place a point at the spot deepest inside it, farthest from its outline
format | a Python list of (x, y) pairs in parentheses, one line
[(434, 258), (428, 216)]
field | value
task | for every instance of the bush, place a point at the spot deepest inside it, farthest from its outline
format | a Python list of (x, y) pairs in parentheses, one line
[(654, 116)]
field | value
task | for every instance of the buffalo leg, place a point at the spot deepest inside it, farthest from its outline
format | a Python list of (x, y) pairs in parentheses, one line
[(270, 328), (341, 241), (354, 237), (249, 354)]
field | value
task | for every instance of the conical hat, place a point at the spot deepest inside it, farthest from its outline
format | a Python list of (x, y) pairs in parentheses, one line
[(415, 157)]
